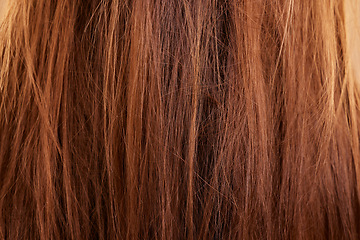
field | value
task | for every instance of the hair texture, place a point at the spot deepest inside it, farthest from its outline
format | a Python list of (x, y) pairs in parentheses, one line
[(178, 119)]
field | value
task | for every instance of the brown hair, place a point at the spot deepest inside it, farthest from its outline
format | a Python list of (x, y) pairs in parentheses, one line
[(178, 119)]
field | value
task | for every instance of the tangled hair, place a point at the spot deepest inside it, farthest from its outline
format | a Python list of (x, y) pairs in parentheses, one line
[(178, 119)]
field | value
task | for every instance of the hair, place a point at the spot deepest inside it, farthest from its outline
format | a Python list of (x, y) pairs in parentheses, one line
[(178, 119)]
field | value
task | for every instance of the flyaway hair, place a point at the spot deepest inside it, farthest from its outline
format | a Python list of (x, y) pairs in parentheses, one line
[(178, 119)]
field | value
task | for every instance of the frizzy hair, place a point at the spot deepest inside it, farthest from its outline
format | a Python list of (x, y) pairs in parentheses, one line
[(178, 119)]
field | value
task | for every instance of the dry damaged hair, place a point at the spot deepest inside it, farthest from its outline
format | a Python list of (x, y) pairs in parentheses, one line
[(178, 119)]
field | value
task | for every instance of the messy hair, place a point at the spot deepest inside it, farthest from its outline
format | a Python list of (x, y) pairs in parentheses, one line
[(178, 119)]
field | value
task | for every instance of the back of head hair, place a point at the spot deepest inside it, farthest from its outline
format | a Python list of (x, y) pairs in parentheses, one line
[(178, 119)]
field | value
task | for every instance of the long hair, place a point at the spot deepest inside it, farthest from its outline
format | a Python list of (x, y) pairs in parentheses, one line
[(178, 119)]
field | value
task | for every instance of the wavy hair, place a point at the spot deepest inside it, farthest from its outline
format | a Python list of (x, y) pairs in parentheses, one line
[(178, 119)]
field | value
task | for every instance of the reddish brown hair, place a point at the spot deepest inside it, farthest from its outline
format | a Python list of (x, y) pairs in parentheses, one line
[(178, 119)]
